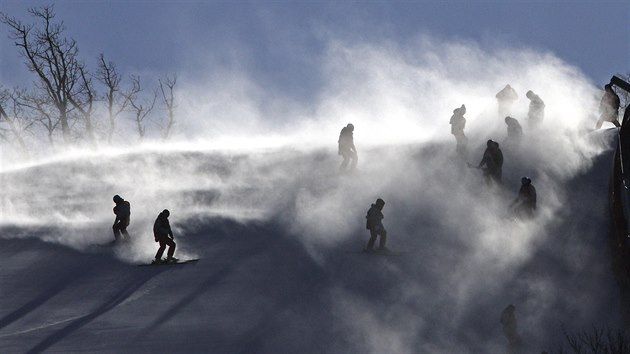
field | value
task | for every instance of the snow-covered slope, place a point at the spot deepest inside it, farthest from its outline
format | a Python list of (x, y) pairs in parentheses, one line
[(274, 231)]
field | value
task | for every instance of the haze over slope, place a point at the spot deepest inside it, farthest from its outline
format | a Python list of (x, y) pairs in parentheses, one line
[(272, 219)]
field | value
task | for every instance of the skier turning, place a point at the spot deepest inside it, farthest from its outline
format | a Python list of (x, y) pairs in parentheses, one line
[(122, 210), (375, 225), (525, 204), (164, 235), (347, 149)]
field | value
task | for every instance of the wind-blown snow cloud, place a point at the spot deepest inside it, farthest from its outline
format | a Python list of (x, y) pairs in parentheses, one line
[(245, 153)]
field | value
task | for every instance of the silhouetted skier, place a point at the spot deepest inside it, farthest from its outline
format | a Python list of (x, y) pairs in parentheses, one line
[(505, 99), (608, 108), (374, 223), (510, 329), (536, 113), (122, 210), (493, 161), (514, 130), (458, 123), (346, 148), (164, 235), (525, 203)]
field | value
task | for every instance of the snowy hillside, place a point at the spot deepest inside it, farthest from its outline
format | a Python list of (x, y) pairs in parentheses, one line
[(275, 231)]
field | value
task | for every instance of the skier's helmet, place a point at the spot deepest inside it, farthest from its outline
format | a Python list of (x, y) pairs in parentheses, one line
[(117, 199), (525, 181), (166, 213), (489, 143), (380, 202), (350, 126)]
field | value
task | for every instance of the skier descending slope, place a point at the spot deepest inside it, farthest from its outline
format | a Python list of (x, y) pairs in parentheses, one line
[(375, 225), (122, 210), (164, 235)]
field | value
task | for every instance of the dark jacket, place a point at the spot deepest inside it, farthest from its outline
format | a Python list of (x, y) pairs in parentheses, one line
[(162, 227), (527, 196), (122, 210), (374, 218)]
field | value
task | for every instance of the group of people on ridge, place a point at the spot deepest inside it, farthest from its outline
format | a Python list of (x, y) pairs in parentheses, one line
[(162, 231)]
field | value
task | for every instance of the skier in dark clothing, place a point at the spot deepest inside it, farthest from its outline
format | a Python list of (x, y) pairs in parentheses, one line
[(346, 148), (122, 210), (525, 204), (609, 108), (493, 160), (164, 235), (514, 130), (458, 123), (374, 223)]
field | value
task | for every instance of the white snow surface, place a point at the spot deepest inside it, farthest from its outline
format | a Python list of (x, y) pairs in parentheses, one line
[(275, 231)]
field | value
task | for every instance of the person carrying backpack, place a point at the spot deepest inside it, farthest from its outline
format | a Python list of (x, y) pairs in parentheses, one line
[(374, 223), (122, 210), (164, 235)]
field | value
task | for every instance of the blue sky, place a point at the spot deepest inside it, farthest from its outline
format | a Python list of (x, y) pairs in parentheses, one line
[(279, 43)]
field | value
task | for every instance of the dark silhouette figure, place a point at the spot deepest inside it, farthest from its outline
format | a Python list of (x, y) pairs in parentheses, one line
[(458, 123), (510, 329), (536, 113), (525, 203), (346, 148), (505, 99), (374, 223), (164, 235), (122, 210), (493, 161), (608, 108), (514, 130)]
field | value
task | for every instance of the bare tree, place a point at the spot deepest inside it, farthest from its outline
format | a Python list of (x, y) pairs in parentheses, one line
[(115, 100), (169, 101), (140, 109), (83, 102), (16, 122), (51, 57)]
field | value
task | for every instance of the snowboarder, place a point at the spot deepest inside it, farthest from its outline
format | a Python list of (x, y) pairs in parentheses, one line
[(458, 123), (525, 203), (608, 108), (505, 99), (164, 235), (536, 112), (346, 148), (122, 210), (514, 130), (375, 225), (493, 160)]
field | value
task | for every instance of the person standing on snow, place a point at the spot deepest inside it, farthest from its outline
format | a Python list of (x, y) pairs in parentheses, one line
[(609, 108), (493, 160), (458, 123), (525, 204), (514, 130), (122, 210), (536, 112), (347, 149), (164, 235), (374, 223), (505, 99)]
